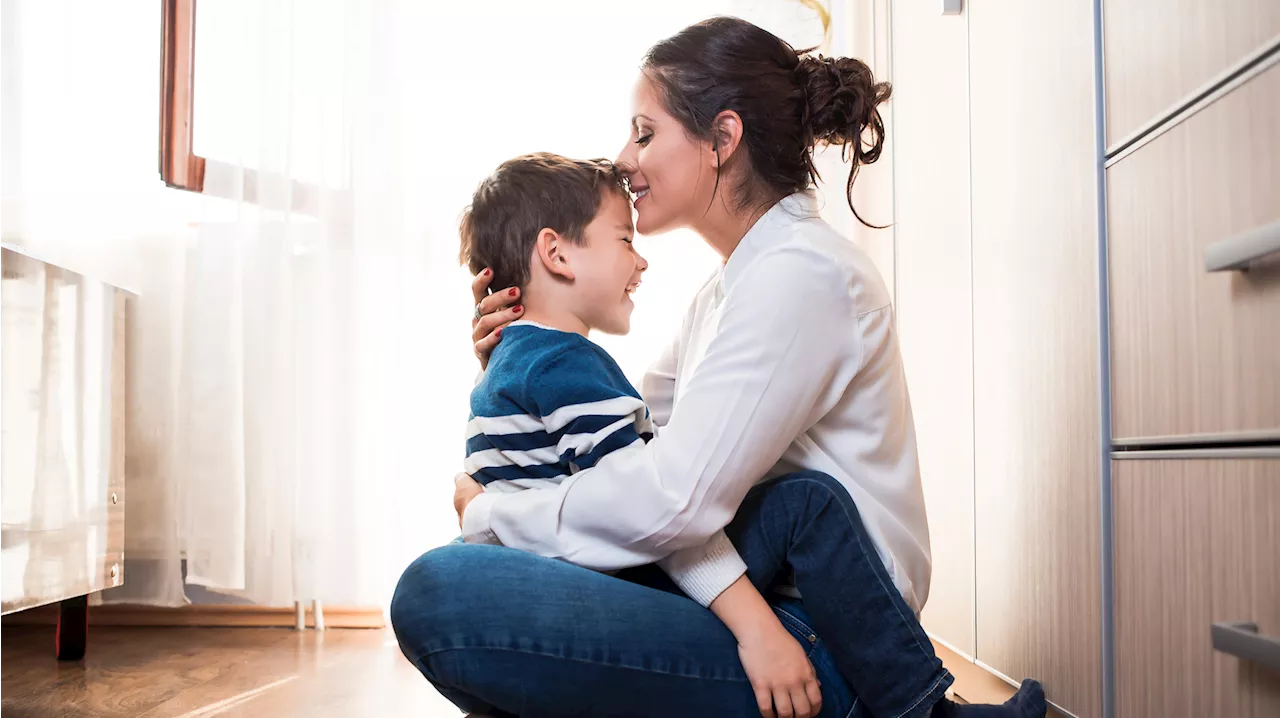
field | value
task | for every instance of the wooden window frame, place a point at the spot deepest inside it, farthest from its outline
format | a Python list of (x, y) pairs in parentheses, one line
[(180, 166)]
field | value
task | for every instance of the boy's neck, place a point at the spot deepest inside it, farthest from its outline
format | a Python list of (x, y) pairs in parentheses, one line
[(562, 320)]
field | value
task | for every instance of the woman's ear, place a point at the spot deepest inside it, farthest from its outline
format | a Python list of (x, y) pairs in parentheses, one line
[(549, 249), (726, 137)]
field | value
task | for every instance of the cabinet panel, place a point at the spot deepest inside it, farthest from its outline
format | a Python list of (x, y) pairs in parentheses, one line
[(1160, 51), (1035, 338), (1195, 543), (935, 324), (1195, 352)]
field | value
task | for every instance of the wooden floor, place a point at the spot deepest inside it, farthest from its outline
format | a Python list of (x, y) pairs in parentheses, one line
[(200, 672)]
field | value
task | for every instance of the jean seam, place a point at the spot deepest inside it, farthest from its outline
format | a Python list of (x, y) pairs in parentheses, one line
[(413, 657), (796, 623), (924, 694), (853, 708), (863, 548), (572, 659)]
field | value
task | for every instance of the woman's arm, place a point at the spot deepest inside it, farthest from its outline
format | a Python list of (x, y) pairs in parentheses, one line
[(658, 388), (787, 329)]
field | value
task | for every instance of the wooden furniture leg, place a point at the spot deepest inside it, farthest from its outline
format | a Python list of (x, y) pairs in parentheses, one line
[(73, 628)]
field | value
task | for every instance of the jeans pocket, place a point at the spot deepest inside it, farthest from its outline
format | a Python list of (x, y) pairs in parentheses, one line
[(838, 699)]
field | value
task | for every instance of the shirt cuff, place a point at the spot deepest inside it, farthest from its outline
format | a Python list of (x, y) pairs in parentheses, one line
[(475, 520), (704, 572)]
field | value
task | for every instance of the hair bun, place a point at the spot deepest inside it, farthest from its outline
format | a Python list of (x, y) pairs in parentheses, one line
[(841, 101)]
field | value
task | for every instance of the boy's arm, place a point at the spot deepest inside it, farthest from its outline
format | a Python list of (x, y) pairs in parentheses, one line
[(776, 665)]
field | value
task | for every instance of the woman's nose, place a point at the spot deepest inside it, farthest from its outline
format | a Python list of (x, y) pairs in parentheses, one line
[(626, 161)]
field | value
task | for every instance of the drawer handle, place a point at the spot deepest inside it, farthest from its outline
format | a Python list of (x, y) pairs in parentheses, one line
[(1243, 641), (1241, 250)]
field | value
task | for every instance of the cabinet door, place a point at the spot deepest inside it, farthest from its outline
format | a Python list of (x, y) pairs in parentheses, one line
[(935, 325), (1035, 338), (1197, 352), (1160, 51), (1197, 542)]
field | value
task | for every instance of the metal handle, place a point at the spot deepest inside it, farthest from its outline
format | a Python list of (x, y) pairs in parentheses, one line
[(1239, 251), (1243, 641)]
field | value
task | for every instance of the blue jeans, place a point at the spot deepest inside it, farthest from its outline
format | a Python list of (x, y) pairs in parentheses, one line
[(505, 632)]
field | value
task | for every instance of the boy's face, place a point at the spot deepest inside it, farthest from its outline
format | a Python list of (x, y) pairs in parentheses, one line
[(607, 268)]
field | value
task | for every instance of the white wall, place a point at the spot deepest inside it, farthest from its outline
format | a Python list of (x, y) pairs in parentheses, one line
[(10, 135)]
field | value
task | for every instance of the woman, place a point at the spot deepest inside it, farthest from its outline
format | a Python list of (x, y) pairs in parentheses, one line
[(784, 389)]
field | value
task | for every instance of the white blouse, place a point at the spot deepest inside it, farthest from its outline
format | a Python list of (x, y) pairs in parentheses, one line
[(787, 360)]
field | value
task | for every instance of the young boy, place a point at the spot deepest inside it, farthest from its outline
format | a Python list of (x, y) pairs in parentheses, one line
[(551, 402)]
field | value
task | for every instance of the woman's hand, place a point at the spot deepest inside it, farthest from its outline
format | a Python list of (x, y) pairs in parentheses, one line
[(493, 312), (465, 489), (781, 675)]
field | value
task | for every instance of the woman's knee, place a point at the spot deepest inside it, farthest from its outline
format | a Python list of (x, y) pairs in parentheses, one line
[(425, 597)]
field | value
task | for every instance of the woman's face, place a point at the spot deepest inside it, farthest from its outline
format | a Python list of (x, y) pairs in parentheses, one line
[(669, 171)]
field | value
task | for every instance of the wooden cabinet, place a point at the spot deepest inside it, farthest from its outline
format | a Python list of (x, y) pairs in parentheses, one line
[(1197, 542), (1158, 52), (1195, 352), (1194, 357)]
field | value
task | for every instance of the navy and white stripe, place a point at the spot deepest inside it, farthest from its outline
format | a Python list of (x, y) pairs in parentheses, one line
[(550, 404)]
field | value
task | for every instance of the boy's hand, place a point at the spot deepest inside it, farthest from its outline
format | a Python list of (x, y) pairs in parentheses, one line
[(465, 489), (492, 313), (781, 675)]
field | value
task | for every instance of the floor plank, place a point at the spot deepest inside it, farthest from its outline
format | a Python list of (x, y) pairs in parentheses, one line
[(199, 672)]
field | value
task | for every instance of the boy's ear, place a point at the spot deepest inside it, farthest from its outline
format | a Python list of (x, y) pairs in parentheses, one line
[(549, 249)]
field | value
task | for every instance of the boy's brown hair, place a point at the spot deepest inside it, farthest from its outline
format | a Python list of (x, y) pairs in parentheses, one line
[(525, 195)]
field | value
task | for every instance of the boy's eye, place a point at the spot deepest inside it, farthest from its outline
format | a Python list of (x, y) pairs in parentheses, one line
[(626, 239)]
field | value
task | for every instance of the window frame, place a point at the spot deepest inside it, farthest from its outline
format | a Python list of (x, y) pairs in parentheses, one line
[(180, 167)]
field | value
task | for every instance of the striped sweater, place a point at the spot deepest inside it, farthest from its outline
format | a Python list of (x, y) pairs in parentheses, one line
[(551, 403)]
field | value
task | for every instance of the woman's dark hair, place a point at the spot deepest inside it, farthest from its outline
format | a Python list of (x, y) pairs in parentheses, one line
[(789, 100)]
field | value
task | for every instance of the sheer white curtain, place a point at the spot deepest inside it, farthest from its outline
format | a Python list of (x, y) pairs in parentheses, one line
[(304, 380), (302, 373)]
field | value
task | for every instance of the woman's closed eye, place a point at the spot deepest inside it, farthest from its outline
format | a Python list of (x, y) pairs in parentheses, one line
[(644, 139)]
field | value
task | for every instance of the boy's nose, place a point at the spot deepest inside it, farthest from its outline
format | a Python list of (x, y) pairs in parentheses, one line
[(641, 263)]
